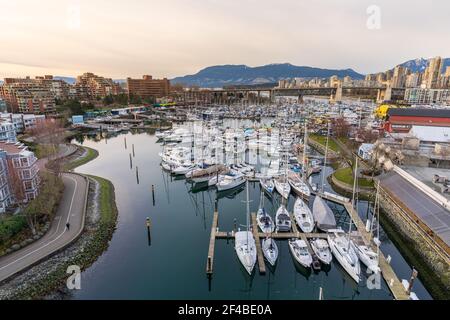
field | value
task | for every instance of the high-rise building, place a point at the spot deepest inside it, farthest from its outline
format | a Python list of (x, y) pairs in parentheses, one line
[(399, 77), (147, 87), (334, 81), (413, 80), (432, 73)]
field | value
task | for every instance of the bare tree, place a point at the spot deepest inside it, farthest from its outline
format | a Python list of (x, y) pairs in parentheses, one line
[(340, 127)]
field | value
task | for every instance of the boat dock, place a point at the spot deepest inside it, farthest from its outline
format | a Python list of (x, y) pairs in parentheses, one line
[(395, 286)]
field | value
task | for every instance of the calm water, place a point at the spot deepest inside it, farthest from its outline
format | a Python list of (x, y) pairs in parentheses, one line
[(171, 265)]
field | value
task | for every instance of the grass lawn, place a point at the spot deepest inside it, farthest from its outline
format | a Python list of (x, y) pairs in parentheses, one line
[(91, 154), (106, 200), (345, 175), (332, 145)]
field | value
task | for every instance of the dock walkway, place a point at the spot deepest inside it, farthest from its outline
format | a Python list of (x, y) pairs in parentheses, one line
[(394, 284)]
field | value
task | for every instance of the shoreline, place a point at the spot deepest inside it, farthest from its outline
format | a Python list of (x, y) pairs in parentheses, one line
[(47, 278)]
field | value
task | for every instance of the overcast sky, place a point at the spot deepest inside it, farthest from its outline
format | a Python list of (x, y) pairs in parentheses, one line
[(120, 38)]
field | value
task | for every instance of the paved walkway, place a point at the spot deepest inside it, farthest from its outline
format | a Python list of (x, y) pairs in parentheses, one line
[(71, 209)]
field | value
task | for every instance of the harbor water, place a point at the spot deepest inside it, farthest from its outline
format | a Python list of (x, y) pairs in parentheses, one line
[(171, 263)]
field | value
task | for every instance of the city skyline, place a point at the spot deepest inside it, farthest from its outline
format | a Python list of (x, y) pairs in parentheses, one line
[(68, 38)]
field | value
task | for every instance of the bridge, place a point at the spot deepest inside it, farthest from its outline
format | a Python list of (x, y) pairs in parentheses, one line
[(255, 94)]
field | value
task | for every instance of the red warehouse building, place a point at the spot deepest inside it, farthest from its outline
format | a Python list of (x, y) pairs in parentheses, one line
[(402, 119)]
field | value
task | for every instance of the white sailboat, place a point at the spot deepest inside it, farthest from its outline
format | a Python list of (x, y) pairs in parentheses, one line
[(265, 222), (299, 250), (298, 186), (322, 250), (282, 187), (323, 215), (303, 216), (270, 250), (282, 220), (245, 244), (344, 253)]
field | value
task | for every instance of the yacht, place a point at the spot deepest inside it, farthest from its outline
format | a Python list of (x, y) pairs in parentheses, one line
[(230, 181), (344, 252), (323, 215), (270, 250), (267, 185), (282, 219), (322, 250), (298, 186), (282, 187), (303, 216), (299, 250), (245, 245)]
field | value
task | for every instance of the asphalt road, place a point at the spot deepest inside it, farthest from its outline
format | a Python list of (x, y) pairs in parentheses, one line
[(71, 209), (435, 216)]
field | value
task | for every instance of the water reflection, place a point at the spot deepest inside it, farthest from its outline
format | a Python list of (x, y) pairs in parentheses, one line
[(181, 218)]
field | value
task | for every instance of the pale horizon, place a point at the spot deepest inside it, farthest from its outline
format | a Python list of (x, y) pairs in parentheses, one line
[(180, 37)]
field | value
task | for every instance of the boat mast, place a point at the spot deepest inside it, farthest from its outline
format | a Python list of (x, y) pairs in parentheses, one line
[(326, 155), (353, 199), (304, 149), (248, 210)]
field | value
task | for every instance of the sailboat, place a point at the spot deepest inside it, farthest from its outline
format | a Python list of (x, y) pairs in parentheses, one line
[(342, 245), (298, 186), (282, 219), (366, 254), (344, 253), (299, 250), (265, 222), (283, 187), (270, 250), (245, 244), (303, 216), (323, 214)]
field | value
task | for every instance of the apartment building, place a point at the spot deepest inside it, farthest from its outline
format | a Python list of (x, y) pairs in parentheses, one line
[(17, 157), (7, 131), (148, 87), (90, 86), (22, 122), (25, 95), (427, 96)]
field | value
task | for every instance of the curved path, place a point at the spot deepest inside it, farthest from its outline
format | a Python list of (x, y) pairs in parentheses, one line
[(71, 209)]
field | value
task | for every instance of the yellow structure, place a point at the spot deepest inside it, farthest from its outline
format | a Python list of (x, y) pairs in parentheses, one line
[(382, 110)]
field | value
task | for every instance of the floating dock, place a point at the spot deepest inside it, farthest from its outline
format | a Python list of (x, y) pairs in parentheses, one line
[(394, 284)]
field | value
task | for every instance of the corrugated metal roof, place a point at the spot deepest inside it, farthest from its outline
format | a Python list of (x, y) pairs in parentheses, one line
[(419, 112), (431, 134)]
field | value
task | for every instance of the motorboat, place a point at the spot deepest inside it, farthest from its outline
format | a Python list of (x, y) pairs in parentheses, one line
[(300, 252), (230, 181), (267, 185), (303, 216), (322, 250)]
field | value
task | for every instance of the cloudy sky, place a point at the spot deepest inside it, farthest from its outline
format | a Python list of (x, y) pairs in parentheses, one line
[(118, 38)]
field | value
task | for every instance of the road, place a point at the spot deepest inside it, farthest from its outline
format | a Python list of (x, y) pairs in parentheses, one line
[(72, 210), (429, 211)]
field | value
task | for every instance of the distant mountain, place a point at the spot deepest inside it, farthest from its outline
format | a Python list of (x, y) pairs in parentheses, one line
[(419, 65), (219, 76), (69, 80)]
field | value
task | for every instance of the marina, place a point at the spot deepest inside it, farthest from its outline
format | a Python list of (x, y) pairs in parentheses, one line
[(219, 218)]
